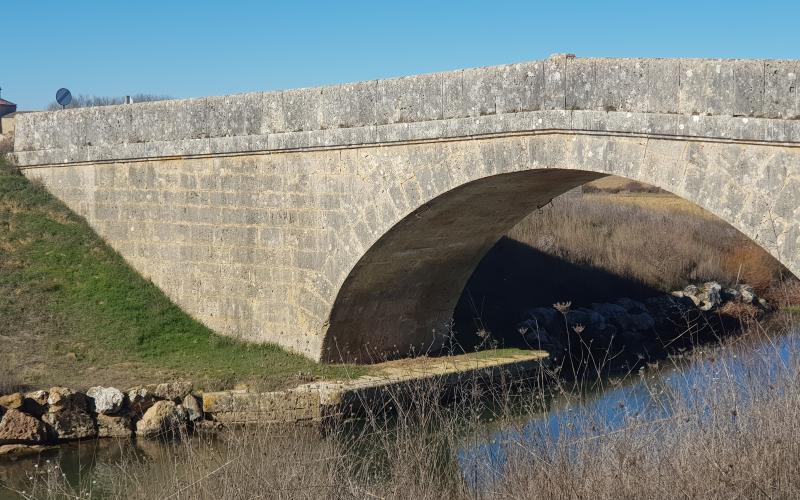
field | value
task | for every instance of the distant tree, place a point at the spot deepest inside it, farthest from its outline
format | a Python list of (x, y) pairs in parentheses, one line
[(86, 101)]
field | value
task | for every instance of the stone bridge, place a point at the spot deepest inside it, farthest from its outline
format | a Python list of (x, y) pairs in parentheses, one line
[(342, 222)]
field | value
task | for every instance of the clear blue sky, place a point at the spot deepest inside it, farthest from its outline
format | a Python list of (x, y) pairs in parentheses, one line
[(185, 49)]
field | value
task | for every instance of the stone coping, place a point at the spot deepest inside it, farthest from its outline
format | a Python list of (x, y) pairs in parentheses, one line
[(415, 107), (697, 127)]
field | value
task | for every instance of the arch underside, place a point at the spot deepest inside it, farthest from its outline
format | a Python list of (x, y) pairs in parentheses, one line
[(399, 298)]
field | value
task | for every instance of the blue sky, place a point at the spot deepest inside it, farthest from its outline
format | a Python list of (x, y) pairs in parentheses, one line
[(186, 49)]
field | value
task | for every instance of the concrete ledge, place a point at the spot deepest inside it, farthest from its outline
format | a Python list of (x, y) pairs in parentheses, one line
[(320, 402)]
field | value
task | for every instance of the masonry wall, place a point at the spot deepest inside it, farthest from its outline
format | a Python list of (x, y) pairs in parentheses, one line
[(327, 252)]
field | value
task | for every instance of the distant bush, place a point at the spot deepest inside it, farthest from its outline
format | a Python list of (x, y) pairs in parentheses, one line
[(86, 101)]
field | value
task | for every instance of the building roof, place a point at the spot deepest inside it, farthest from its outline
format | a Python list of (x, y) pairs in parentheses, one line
[(3, 102)]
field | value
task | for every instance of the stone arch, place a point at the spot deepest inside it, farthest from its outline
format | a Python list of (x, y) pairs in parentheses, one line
[(400, 294)]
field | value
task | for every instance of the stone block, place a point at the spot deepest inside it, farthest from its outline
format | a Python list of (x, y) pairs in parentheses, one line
[(706, 87), (782, 89), (555, 83), (302, 109), (748, 83), (410, 99), (349, 105)]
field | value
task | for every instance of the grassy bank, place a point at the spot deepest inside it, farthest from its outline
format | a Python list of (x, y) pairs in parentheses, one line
[(72, 312)]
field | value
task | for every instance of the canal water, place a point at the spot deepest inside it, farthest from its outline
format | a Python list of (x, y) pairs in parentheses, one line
[(573, 414)]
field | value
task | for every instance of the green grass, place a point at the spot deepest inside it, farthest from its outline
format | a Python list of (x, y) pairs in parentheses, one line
[(73, 312)]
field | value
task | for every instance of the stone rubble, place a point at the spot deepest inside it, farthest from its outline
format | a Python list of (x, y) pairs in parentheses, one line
[(31, 421), (638, 326)]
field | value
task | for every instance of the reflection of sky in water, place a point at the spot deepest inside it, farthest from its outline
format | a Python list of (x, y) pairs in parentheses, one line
[(643, 399)]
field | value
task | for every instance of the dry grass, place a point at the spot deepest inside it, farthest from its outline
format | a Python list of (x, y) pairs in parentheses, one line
[(6, 144), (658, 240), (728, 437)]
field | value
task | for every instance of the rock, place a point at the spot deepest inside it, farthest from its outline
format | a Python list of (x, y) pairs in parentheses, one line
[(632, 306), (17, 427), (194, 409), (607, 310), (12, 401), (641, 322), (106, 400), (68, 415), (706, 298), (140, 399), (689, 292), (709, 297), (593, 319), (71, 424), (114, 426), (14, 451), (731, 294), (35, 403), (173, 391), (543, 329), (63, 398), (747, 293), (164, 418)]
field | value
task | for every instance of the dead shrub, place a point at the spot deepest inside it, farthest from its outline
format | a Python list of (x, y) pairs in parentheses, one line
[(784, 293), (750, 263)]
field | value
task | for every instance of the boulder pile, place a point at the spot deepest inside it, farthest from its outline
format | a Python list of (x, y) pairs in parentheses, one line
[(61, 414), (629, 331)]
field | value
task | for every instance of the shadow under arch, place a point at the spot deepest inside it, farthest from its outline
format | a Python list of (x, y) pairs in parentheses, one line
[(399, 298)]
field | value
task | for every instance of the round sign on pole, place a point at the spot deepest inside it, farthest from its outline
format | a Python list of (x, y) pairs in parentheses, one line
[(63, 97)]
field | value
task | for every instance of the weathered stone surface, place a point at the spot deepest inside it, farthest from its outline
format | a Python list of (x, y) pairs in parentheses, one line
[(266, 407), (290, 214), (12, 401), (106, 400), (140, 399), (746, 293), (68, 415), (114, 426), (18, 427), (194, 409), (35, 403), (174, 391), (164, 418), (706, 297), (63, 398), (70, 424)]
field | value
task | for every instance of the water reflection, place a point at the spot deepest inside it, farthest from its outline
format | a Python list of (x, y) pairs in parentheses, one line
[(646, 399)]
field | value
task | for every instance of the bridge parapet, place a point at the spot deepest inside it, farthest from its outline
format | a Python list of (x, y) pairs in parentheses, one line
[(685, 97)]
